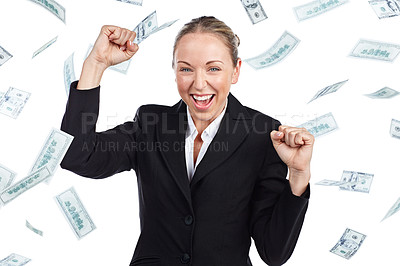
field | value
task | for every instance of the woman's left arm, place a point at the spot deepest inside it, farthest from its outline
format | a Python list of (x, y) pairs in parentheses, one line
[(294, 146)]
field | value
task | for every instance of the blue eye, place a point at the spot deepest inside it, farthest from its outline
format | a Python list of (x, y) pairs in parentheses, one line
[(184, 69), (214, 69)]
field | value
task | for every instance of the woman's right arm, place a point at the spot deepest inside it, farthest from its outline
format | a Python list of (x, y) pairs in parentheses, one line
[(92, 154)]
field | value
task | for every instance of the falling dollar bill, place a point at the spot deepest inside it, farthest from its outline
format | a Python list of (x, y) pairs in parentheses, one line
[(25, 184), (33, 229), (45, 46), (12, 103), (356, 181), (4, 56), (75, 213), (1, 95), (395, 208), (316, 8), (385, 8), (14, 260), (6, 177), (375, 50), (146, 27), (395, 128), (348, 244), (321, 125), (255, 10), (165, 25), (133, 2), (384, 93), (53, 150), (282, 48), (327, 182), (330, 89), (52, 6), (121, 67), (69, 73)]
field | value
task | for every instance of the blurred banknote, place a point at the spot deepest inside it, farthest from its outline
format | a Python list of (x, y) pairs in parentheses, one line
[(33, 229), (327, 182), (69, 73), (282, 48), (330, 89), (44, 47), (145, 27), (316, 8), (134, 2), (165, 25), (6, 177), (385, 8), (395, 208), (23, 185), (75, 213), (384, 93), (121, 67), (356, 181), (53, 150), (348, 244), (321, 125), (1, 95), (4, 56), (13, 101), (395, 128), (52, 6), (14, 260), (255, 10), (375, 50)]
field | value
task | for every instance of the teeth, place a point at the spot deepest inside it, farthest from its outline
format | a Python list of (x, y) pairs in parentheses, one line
[(202, 98)]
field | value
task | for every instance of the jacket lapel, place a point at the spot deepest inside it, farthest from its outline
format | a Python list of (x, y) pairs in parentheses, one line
[(234, 127)]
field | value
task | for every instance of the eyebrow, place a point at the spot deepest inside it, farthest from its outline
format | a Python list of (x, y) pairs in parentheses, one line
[(209, 62)]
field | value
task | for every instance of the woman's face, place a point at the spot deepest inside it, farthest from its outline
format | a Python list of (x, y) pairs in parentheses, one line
[(204, 74)]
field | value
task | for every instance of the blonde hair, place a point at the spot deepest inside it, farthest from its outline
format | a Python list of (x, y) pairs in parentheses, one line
[(209, 24)]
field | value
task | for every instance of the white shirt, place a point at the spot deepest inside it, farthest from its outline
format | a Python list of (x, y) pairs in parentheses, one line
[(207, 136)]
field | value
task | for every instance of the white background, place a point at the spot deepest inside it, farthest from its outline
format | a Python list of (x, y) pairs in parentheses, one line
[(362, 142)]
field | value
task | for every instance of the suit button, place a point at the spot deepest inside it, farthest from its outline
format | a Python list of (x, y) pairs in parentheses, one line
[(189, 220), (185, 258)]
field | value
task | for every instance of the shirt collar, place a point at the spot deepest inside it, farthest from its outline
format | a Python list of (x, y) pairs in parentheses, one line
[(210, 131)]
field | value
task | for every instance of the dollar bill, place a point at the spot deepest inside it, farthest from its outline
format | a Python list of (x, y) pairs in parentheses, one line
[(146, 27), (6, 177), (14, 260), (385, 8), (395, 128), (4, 56), (44, 47), (13, 101), (69, 73), (395, 208), (165, 25), (330, 183), (1, 95), (75, 213), (23, 185), (121, 67), (52, 6), (281, 49), (384, 93), (33, 229), (375, 50), (321, 125), (330, 89), (254, 10), (53, 150), (356, 181), (316, 8), (348, 244), (134, 2)]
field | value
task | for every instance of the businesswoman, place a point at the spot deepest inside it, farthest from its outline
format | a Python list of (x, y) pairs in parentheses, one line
[(211, 172)]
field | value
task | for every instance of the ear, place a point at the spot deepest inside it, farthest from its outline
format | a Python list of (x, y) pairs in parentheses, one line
[(236, 71)]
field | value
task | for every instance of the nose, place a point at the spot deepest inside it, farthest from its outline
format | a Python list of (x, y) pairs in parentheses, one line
[(200, 80)]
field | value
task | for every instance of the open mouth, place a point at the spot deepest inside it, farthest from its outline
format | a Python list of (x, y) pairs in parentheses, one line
[(203, 101)]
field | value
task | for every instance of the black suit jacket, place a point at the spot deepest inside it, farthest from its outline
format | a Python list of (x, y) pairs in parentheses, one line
[(239, 189)]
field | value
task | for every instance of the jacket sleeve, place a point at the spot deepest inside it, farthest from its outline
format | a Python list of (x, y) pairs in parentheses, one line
[(92, 154), (277, 214)]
